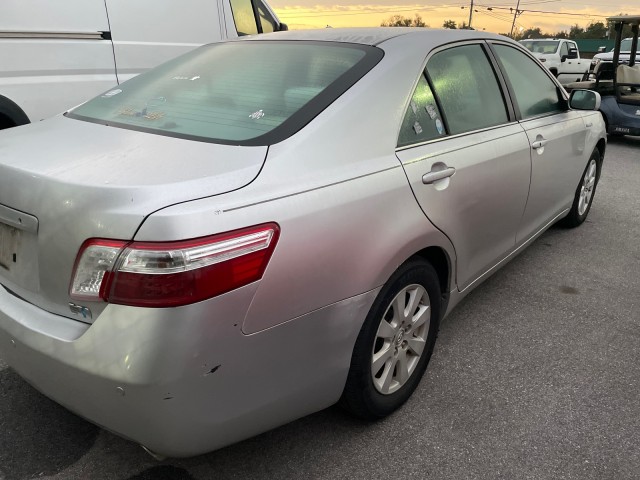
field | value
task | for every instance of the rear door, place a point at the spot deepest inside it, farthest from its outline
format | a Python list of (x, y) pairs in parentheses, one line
[(466, 157), (557, 136)]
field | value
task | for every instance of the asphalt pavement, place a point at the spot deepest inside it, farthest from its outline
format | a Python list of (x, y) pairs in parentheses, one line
[(536, 375)]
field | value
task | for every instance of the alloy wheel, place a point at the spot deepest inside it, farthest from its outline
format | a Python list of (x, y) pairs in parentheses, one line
[(587, 186), (400, 339)]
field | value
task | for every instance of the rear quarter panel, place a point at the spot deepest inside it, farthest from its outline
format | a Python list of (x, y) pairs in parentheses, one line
[(347, 215)]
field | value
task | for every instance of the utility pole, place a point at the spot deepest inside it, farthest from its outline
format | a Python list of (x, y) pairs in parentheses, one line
[(471, 13), (515, 14)]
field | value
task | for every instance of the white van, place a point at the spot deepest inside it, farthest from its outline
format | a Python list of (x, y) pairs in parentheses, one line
[(56, 54)]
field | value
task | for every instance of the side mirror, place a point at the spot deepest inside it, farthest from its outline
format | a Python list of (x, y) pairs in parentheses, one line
[(573, 53), (584, 100), (283, 27), (563, 58)]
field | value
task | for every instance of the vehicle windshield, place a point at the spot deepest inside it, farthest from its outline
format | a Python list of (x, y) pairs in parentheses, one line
[(541, 46), (240, 92)]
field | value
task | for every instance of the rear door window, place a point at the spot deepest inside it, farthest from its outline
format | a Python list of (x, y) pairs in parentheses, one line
[(467, 89)]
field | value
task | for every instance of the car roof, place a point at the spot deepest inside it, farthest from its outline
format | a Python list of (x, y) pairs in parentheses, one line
[(625, 18), (373, 35)]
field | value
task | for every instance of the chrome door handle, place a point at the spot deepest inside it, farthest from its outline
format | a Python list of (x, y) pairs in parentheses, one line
[(431, 177), (539, 144)]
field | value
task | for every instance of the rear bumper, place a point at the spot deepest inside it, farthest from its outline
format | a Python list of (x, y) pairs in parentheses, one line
[(623, 130), (184, 381)]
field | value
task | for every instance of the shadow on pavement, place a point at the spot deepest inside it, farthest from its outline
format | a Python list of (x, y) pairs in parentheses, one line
[(163, 472)]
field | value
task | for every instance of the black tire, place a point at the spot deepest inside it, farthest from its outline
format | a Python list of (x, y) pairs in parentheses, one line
[(11, 115), (361, 397), (577, 215)]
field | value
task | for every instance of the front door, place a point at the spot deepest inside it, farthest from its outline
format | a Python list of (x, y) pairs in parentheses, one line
[(557, 136)]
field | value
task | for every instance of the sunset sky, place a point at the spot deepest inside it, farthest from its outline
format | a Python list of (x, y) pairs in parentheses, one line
[(299, 14)]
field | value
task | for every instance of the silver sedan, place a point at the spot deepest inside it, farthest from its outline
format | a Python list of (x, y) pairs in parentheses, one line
[(265, 227)]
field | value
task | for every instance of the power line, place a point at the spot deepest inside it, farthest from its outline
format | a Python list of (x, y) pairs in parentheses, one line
[(494, 16), (548, 12), (401, 8), (521, 3), (416, 8), (372, 12)]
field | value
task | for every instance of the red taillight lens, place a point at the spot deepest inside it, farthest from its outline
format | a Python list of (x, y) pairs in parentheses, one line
[(170, 274)]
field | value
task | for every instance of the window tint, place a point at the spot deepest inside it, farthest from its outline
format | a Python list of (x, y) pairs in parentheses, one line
[(422, 120), (535, 92), (243, 17), (233, 92), (467, 89)]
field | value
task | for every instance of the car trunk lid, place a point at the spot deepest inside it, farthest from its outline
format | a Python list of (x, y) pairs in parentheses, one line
[(63, 181)]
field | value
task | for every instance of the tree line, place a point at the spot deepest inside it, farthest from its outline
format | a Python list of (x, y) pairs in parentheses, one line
[(594, 30)]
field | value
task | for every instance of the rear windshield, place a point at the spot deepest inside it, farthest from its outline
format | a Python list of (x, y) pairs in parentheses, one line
[(540, 46), (241, 93)]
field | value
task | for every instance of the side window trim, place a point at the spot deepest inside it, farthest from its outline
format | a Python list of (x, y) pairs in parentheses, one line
[(256, 16), (270, 13), (513, 111), (457, 135), (561, 92)]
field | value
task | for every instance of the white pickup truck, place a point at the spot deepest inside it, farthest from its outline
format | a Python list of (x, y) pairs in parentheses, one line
[(625, 54), (56, 54), (560, 56)]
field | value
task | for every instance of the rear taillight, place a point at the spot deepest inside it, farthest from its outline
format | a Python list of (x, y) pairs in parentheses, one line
[(170, 274)]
